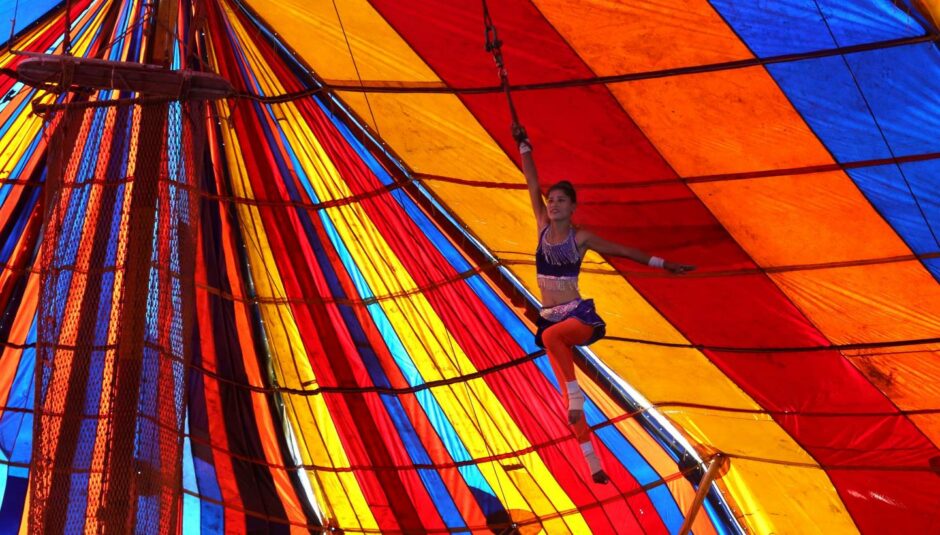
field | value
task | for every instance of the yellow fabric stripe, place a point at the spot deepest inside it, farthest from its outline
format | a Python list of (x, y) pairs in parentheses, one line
[(749, 499), (423, 334), (340, 493), (316, 431), (436, 135), (344, 498)]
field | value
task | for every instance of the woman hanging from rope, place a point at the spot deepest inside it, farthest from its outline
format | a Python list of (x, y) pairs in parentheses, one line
[(566, 320)]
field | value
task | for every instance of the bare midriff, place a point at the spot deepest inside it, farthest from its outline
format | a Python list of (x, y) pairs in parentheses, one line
[(552, 298)]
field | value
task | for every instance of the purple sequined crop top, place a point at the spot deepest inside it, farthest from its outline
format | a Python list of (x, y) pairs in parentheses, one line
[(557, 264)]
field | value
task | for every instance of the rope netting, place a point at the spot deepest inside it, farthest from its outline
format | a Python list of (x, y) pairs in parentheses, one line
[(114, 326)]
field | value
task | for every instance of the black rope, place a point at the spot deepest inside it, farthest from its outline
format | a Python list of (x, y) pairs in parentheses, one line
[(16, 9), (406, 88), (494, 46), (352, 58)]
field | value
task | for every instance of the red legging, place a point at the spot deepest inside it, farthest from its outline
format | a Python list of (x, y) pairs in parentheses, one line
[(559, 341)]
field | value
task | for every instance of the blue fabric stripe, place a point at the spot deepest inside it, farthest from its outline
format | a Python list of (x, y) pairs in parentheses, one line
[(11, 234), (16, 428), (25, 12), (795, 26), (506, 316), (353, 140), (418, 454), (823, 91), (4, 479), (191, 516), (205, 482), (22, 395), (897, 84), (900, 86), (14, 502), (870, 105), (431, 231), (660, 496), (427, 400), (918, 223), (431, 479), (211, 513)]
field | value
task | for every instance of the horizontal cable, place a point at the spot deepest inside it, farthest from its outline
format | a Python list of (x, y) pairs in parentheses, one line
[(480, 373), (780, 349), (233, 199), (199, 439), (535, 448), (424, 87), (418, 177), (839, 467), (642, 341), (661, 406), (263, 300), (506, 365), (204, 441), (757, 270), (801, 413), (624, 494), (466, 274), (667, 181)]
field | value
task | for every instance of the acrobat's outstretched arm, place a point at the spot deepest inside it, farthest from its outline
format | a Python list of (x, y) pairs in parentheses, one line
[(602, 246), (531, 174)]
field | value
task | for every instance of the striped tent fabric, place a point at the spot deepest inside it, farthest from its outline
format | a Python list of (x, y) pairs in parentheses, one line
[(361, 357)]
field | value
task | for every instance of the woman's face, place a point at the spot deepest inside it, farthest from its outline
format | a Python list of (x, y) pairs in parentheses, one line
[(559, 205)]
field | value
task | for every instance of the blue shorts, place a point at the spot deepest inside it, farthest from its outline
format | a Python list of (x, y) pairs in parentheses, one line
[(580, 309)]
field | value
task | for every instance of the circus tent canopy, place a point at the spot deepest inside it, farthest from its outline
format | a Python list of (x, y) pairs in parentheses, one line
[(361, 354)]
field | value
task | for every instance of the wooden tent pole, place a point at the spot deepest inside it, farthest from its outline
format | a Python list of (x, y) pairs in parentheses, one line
[(127, 478), (717, 462)]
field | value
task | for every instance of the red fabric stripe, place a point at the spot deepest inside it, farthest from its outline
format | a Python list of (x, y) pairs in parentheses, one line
[(486, 342), (582, 134), (426, 264), (342, 365), (215, 414)]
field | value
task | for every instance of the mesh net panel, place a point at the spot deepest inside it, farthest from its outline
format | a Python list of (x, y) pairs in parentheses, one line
[(116, 311)]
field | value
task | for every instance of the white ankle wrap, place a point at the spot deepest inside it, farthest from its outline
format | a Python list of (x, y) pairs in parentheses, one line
[(575, 396)]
